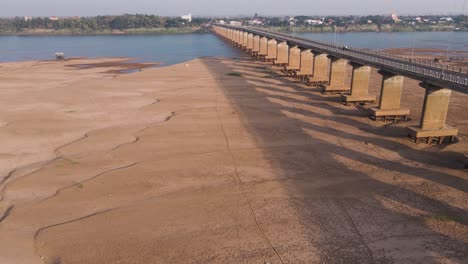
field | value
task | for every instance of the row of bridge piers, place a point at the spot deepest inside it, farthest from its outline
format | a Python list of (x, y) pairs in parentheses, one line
[(331, 74)]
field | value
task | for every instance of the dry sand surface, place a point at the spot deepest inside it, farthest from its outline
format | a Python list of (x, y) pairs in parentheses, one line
[(185, 164)]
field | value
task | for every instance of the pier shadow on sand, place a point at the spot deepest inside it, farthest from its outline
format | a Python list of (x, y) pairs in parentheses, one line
[(361, 196)]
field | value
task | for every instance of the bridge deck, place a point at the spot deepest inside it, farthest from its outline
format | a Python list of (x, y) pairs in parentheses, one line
[(432, 73)]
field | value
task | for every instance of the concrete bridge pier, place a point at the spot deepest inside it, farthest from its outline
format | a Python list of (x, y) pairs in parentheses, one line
[(231, 35), (337, 78), (263, 48), (234, 36), (321, 75), (245, 40), (360, 82), (263, 52), (435, 109), (294, 63), (306, 68), (240, 36), (390, 99), (282, 57), (256, 45), (250, 43), (272, 50)]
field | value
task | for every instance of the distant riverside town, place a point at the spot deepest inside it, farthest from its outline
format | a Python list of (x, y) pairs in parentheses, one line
[(141, 23)]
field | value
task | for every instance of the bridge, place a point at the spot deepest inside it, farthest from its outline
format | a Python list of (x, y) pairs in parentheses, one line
[(325, 65)]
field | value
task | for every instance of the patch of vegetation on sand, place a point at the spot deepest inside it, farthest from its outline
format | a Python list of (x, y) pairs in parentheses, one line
[(235, 74)]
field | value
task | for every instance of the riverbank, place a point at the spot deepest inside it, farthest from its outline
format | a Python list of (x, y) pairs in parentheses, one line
[(370, 28), (135, 31), (217, 160)]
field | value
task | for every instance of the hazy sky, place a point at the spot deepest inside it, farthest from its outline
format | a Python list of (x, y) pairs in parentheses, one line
[(228, 7)]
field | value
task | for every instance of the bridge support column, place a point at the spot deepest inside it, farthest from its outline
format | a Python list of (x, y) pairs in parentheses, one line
[(321, 75), (390, 99), (250, 43), (435, 109), (283, 54), (233, 35), (245, 40), (241, 38), (238, 38), (307, 65), (359, 86), (272, 50), (337, 78), (256, 45), (294, 60), (263, 48)]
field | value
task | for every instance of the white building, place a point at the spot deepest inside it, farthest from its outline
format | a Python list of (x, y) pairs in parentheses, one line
[(187, 17), (314, 22), (445, 20), (255, 22), (396, 18), (27, 18), (235, 23)]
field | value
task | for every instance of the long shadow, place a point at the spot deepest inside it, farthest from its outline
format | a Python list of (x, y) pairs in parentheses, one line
[(444, 160), (340, 205)]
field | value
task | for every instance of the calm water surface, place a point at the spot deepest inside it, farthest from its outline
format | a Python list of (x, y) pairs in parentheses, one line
[(167, 49), (171, 49), (384, 40)]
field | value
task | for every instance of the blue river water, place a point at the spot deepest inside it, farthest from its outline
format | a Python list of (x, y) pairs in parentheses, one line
[(171, 49), (165, 49), (451, 41)]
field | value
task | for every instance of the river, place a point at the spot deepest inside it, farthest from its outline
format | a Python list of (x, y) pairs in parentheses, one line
[(171, 49)]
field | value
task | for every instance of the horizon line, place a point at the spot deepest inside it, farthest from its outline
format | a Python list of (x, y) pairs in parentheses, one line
[(242, 15)]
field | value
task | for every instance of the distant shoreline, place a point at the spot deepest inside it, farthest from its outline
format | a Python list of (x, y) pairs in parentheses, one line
[(138, 31), (191, 30), (368, 28)]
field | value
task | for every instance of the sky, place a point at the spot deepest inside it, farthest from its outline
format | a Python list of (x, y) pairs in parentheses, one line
[(10, 8)]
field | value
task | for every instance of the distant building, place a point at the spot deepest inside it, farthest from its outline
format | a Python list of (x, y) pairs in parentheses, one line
[(235, 23), (314, 22), (396, 18), (445, 20), (53, 18), (292, 21), (187, 17), (255, 22), (222, 22), (27, 18)]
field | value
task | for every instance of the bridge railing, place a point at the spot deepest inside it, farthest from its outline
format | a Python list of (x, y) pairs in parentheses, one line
[(374, 52)]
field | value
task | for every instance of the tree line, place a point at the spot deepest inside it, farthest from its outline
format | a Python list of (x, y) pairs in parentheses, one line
[(98, 23)]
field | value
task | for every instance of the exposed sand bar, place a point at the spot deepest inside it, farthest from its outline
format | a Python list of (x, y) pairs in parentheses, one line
[(185, 164)]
